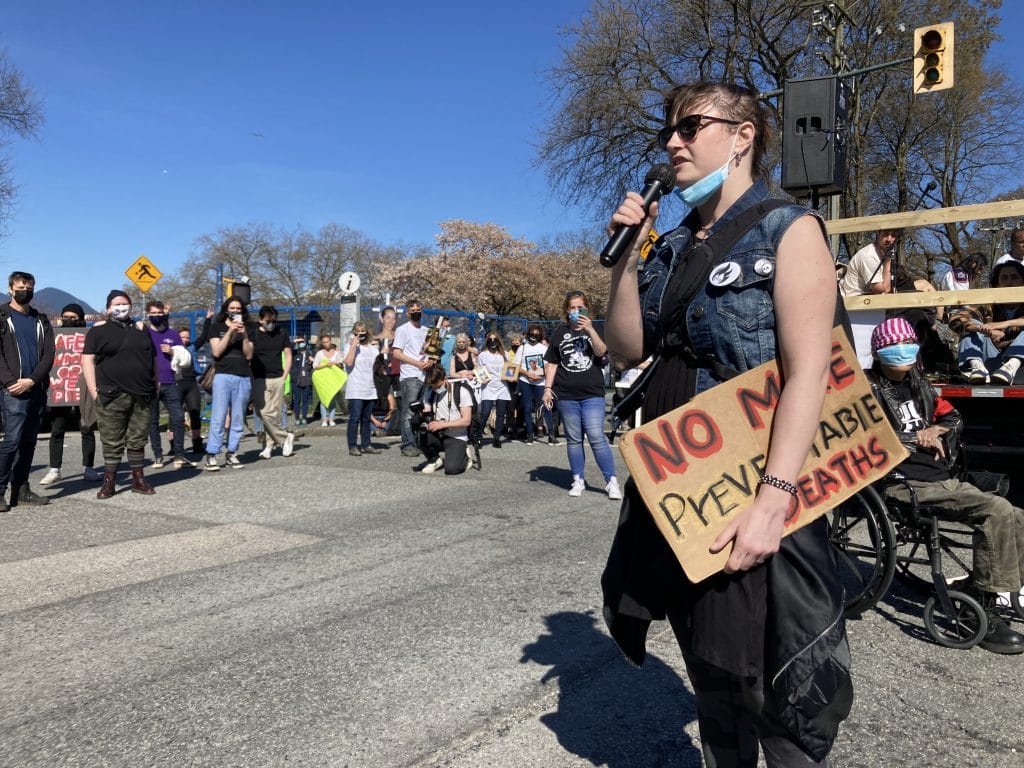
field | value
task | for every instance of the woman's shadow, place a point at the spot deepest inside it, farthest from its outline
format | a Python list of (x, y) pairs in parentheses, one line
[(610, 712)]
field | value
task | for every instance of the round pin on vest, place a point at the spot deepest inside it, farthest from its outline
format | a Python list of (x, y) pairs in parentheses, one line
[(725, 274), (764, 267)]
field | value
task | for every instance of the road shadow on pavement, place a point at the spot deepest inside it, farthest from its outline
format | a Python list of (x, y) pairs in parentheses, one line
[(610, 712)]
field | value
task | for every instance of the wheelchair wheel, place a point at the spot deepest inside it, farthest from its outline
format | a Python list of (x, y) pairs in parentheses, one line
[(864, 542), (962, 629)]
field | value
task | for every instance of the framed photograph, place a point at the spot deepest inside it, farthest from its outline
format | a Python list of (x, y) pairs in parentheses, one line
[(510, 372), (482, 375)]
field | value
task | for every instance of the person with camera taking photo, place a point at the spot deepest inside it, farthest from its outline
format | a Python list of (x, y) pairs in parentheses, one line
[(442, 416)]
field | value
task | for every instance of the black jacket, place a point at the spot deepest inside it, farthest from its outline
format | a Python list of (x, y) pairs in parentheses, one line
[(934, 410), (10, 357)]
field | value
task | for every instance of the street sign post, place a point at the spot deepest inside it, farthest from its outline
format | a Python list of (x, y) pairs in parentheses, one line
[(143, 273)]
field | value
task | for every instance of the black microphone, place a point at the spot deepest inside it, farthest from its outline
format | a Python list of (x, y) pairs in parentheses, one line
[(659, 181)]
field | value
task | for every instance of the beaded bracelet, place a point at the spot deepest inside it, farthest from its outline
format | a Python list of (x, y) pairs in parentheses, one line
[(778, 482)]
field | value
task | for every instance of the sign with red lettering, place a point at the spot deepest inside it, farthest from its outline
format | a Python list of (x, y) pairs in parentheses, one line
[(67, 366), (699, 466)]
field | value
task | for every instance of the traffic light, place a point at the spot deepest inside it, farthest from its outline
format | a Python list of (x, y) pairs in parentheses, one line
[(240, 291), (933, 58)]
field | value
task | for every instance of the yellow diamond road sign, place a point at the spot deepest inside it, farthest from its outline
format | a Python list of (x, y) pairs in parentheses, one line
[(143, 273)]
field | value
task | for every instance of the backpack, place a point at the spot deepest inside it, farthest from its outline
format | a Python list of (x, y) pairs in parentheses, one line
[(476, 426)]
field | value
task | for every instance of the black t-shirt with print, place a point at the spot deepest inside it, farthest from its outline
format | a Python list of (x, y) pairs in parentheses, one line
[(579, 374), (920, 465)]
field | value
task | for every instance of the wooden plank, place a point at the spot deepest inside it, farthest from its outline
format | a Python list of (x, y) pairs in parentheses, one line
[(1001, 210), (935, 299)]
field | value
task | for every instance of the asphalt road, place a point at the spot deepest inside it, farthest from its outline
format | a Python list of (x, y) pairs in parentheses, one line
[(328, 610)]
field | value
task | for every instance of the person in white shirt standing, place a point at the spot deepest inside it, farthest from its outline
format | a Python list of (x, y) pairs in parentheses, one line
[(360, 389), (408, 350)]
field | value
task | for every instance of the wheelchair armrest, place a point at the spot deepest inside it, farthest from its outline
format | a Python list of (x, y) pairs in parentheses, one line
[(911, 508)]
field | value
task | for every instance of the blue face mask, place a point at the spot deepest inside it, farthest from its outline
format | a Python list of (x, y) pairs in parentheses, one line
[(899, 354), (698, 192)]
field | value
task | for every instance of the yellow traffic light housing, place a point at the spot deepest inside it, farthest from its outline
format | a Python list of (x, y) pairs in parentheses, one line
[(933, 58)]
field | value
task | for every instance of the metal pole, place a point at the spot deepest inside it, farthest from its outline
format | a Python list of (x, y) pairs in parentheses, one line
[(220, 287)]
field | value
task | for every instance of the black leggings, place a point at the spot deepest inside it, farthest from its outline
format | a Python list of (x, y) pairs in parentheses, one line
[(62, 417)]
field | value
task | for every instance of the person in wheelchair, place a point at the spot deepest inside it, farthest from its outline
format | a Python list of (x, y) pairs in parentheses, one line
[(929, 427)]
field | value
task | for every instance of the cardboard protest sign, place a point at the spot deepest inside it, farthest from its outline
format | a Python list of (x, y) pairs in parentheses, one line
[(699, 466), (67, 366)]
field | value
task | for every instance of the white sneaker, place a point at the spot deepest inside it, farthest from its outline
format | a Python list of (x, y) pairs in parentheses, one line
[(52, 476), (612, 489), (265, 453), (578, 486), (323, 423), (158, 462), (330, 423), (92, 475), (289, 444), (231, 462), (433, 466)]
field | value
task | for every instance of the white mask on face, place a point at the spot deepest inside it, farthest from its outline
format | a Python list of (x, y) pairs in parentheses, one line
[(120, 312)]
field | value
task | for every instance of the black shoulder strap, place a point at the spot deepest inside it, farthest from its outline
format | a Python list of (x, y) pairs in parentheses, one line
[(705, 255)]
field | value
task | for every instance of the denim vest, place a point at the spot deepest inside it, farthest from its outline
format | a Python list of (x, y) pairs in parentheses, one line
[(735, 321)]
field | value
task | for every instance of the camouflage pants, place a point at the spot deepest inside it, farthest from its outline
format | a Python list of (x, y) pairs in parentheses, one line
[(123, 423), (998, 528)]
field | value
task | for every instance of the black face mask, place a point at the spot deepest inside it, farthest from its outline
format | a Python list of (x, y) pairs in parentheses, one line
[(72, 323), (361, 336), (415, 316), (158, 321), (491, 344), (24, 296), (533, 339)]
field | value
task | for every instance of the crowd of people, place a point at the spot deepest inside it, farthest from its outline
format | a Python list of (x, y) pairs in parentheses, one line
[(131, 366)]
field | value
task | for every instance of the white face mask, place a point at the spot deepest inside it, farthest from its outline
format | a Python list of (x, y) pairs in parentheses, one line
[(269, 327), (120, 312), (698, 192)]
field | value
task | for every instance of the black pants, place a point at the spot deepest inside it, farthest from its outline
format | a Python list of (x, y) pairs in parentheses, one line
[(192, 400), (432, 444), (62, 417), (735, 716)]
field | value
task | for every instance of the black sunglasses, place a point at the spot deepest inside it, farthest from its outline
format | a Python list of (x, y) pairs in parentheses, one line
[(688, 126)]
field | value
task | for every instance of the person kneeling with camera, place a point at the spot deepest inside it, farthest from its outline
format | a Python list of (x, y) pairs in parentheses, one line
[(444, 414)]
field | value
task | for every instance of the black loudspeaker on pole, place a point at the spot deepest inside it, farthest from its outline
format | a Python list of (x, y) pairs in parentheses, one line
[(658, 181)]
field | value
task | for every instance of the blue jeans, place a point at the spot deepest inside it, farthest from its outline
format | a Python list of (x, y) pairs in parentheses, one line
[(20, 416), (171, 398), (230, 394), (530, 392), (586, 417), (301, 398), (410, 390), (979, 346), (359, 418)]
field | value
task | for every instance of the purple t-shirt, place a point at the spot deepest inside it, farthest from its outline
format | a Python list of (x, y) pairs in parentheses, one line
[(163, 361)]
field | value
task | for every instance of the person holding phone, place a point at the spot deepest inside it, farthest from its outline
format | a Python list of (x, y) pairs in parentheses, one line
[(574, 382), (232, 350)]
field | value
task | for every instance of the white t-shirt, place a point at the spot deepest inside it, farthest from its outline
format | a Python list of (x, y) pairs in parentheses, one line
[(410, 340), (447, 408), (495, 388), (955, 279), (863, 270), (531, 358), (359, 385), (1004, 258), (322, 356)]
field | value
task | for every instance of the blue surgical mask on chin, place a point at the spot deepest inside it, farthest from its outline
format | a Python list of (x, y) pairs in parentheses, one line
[(899, 354), (698, 192)]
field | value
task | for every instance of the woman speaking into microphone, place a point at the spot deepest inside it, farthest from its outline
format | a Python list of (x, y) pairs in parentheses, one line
[(772, 297)]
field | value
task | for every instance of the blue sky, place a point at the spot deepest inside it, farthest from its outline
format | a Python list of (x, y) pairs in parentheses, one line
[(384, 122)]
